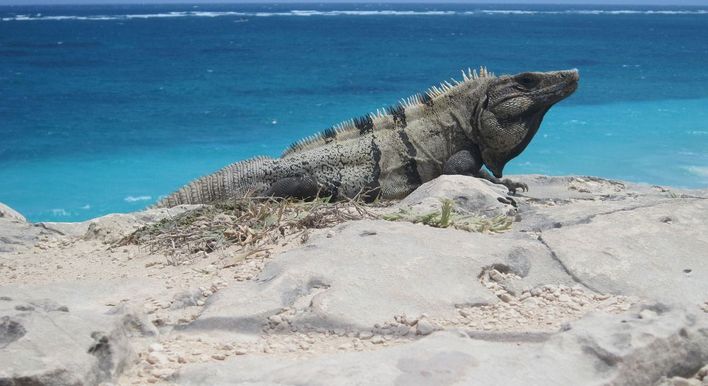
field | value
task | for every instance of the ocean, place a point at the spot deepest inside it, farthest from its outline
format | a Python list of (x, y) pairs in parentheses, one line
[(106, 108)]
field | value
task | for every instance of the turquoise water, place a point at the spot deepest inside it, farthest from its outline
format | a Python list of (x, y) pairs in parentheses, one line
[(105, 109)]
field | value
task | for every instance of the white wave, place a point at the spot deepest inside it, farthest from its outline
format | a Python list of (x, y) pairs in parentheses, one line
[(701, 171), (174, 14), (136, 199), (59, 212), (352, 13), (308, 13), (508, 12)]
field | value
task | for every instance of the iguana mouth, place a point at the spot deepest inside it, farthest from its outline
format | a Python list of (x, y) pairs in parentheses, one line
[(560, 90)]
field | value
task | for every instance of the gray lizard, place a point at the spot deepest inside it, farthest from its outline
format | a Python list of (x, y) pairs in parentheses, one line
[(455, 128)]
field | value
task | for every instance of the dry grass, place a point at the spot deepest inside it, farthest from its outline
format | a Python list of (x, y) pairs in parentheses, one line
[(256, 224), (251, 224)]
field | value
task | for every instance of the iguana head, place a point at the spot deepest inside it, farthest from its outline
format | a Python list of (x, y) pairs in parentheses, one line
[(512, 112)]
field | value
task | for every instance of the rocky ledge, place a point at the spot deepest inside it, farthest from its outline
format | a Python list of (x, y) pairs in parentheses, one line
[(580, 281)]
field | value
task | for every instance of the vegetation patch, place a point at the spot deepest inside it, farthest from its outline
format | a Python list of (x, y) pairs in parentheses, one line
[(256, 224), (251, 224), (447, 218)]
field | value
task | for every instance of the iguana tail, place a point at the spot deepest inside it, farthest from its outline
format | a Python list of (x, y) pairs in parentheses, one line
[(236, 180)]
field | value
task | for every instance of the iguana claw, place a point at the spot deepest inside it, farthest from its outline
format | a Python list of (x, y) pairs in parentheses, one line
[(514, 186)]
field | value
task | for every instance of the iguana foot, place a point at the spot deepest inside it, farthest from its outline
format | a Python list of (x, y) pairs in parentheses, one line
[(513, 186)]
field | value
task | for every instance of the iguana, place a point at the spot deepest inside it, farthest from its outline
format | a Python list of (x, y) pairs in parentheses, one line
[(454, 128)]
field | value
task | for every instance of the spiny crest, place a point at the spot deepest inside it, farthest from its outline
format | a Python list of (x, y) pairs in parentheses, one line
[(365, 124), (467, 76)]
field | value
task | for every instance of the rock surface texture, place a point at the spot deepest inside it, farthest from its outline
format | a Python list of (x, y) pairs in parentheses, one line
[(590, 282)]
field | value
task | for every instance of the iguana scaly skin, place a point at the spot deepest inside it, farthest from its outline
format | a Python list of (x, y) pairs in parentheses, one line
[(454, 128)]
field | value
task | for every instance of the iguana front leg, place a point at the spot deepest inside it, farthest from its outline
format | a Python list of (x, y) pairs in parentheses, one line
[(469, 163)]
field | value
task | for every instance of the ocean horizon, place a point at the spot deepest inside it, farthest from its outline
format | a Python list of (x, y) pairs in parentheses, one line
[(108, 108)]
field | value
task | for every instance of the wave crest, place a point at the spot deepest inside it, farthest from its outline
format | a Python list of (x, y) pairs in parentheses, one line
[(309, 13)]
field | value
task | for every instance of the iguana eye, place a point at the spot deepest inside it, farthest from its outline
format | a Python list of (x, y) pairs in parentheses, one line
[(527, 80)]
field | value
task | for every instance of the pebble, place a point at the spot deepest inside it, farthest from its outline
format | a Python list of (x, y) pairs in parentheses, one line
[(219, 357), (506, 298), (677, 381), (155, 347), (564, 298), (162, 373), (378, 339), (240, 351), (647, 314), (365, 335), (156, 358), (424, 327), (495, 275)]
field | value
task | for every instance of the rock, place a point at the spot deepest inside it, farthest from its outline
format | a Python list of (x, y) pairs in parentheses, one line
[(186, 299), (603, 349), (156, 358), (342, 281), (364, 335), (162, 373), (10, 214), (113, 227), (55, 347), (377, 339), (360, 279), (15, 231), (69, 336), (629, 251), (424, 327), (471, 196)]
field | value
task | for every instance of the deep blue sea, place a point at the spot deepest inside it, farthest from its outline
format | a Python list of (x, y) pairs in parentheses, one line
[(106, 108)]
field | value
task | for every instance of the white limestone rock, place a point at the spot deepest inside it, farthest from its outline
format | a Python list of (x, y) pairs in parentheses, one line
[(470, 195), (600, 349)]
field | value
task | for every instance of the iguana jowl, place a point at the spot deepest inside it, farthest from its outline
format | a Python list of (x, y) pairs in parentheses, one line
[(454, 128)]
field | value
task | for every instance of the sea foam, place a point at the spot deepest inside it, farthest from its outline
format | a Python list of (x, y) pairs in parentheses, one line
[(137, 198), (309, 13)]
